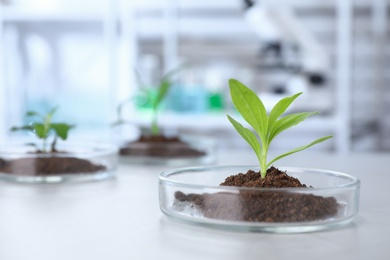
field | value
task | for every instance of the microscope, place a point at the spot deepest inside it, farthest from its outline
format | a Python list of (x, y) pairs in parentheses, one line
[(286, 45)]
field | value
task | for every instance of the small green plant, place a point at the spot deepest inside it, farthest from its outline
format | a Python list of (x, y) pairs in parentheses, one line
[(44, 128), (267, 127), (162, 90)]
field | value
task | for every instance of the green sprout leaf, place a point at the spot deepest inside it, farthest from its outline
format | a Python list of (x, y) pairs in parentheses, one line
[(266, 127), (281, 107), (247, 134), (320, 140), (32, 113), (27, 127), (161, 94), (162, 90), (286, 122), (61, 129), (44, 128), (249, 106), (40, 130)]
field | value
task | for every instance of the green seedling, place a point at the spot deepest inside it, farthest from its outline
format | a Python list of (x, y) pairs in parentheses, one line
[(162, 90), (44, 128), (266, 126)]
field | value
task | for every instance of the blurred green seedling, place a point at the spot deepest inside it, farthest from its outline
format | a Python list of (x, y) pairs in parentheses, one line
[(162, 88), (43, 127)]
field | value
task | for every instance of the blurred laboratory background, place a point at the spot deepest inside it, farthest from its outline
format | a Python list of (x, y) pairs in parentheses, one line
[(89, 56)]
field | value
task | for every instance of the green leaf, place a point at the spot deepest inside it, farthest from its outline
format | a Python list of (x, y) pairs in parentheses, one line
[(250, 107), (247, 135), (287, 122), (320, 140), (165, 84), (61, 129), (26, 127), (280, 108), (32, 113), (40, 131), (162, 92)]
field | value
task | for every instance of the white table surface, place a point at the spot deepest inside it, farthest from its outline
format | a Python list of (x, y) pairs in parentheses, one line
[(120, 219)]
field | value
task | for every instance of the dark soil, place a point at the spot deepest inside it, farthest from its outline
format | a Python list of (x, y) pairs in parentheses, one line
[(262, 206), (48, 166), (160, 146)]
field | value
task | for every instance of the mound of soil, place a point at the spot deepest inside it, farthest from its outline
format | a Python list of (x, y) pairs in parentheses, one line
[(48, 166), (160, 146), (262, 206)]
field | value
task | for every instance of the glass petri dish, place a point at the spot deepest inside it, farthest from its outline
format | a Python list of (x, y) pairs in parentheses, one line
[(193, 195), (189, 150), (20, 162)]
